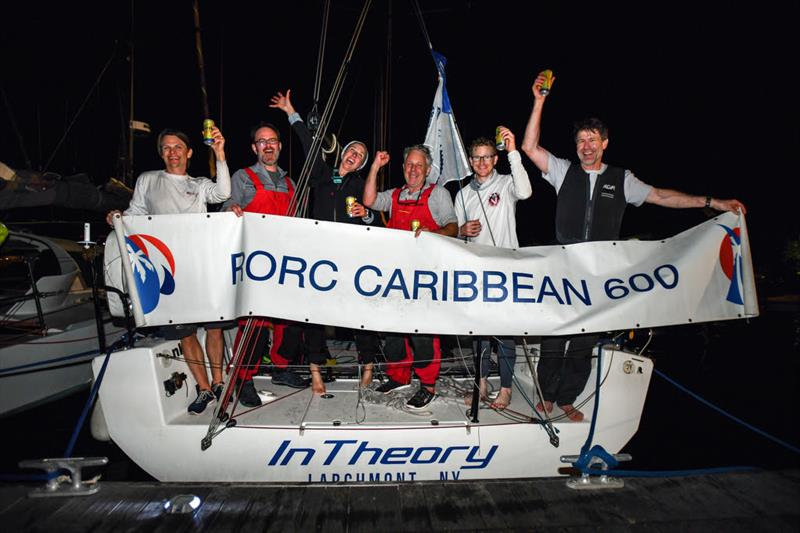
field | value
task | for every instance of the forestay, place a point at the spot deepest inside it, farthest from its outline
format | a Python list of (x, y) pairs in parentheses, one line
[(208, 267)]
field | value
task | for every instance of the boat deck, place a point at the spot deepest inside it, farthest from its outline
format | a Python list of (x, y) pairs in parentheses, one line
[(345, 405), (750, 501)]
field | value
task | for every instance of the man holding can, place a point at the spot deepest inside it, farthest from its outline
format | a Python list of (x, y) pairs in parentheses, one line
[(265, 188), (173, 191), (417, 206), (591, 201), (486, 210), (335, 199)]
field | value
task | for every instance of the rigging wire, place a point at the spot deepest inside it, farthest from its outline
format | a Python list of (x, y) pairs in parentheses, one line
[(316, 145), (313, 115), (80, 108)]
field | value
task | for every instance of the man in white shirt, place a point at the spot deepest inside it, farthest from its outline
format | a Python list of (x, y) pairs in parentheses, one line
[(173, 191), (486, 211)]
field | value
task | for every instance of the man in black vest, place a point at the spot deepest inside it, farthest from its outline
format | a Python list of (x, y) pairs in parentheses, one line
[(591, 200)]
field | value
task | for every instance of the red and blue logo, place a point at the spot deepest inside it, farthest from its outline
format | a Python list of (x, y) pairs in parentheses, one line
[(153, 269), (730, 259)]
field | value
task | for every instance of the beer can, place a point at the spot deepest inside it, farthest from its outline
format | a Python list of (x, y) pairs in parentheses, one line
[(414, 225), (548, 82), (348, 204), (208, 125), (499, 143)]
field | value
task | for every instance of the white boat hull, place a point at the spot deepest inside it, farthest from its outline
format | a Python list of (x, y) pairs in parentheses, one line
[(49, 367), (304, 438)]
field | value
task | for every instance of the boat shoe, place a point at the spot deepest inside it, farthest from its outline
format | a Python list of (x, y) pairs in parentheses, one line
[(421, 399), (204, 397), (289, 378)]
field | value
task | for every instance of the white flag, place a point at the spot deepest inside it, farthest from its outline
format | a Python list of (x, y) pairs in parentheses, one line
[(443, 138)]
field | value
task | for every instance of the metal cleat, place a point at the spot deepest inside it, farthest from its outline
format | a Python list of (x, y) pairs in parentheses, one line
[(72, 485), (592, 481)]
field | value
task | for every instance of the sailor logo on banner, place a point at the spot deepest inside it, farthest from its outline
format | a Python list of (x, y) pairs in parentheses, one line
[(153, 269), (731, 262)]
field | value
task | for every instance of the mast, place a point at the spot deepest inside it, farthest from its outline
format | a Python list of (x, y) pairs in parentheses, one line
[(198, 42)]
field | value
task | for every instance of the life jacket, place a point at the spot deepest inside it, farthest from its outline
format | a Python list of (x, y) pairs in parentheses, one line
[(579, 219), (269, 202), (404, 211)]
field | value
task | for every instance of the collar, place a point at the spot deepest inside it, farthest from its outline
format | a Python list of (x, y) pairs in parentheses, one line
[(475, 185)]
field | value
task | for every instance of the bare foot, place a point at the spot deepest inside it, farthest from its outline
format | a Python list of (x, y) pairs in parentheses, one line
[(503, 399), (572, 413), (545, 406), (484, 393), (366, 375), (317, 385)]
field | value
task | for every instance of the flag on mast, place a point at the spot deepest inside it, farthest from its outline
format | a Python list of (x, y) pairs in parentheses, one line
[(443, 138)]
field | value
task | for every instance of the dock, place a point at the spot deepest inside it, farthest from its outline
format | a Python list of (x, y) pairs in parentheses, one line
[(741, 501)]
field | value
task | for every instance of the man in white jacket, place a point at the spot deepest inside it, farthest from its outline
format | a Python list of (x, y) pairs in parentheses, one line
[(486, 211)]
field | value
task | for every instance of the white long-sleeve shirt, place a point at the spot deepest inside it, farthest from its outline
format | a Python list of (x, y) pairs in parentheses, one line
[(160, 193), (494, 202)]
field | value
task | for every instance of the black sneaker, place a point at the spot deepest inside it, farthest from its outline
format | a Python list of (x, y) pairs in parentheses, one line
[(290, 379), (218, 389), (204, 397), (422, 398), (391, 385), (248, 395)]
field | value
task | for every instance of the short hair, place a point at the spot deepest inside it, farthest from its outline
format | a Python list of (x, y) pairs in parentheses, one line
[(175, 133), (419, 148), (482, 141), (590, 124), (260, 125)]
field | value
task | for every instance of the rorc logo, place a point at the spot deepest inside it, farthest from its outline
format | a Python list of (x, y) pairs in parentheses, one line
[(730, 259), (153, 269)]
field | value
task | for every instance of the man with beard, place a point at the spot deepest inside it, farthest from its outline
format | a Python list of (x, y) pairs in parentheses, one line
[(591, 201), (330, 189), (265, 188)]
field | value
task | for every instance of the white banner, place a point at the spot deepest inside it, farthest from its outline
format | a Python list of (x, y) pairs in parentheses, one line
[(209, 267), (444, 140)]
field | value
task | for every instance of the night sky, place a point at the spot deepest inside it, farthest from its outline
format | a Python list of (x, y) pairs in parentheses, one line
[(699, 101)]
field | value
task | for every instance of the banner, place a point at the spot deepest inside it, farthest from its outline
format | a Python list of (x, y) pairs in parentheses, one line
[(216, 266), (444, 140)]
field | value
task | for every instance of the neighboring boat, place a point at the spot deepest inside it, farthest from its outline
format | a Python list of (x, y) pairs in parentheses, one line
[(48, 329)]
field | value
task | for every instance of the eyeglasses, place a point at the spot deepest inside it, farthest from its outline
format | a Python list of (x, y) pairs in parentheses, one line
[(479, 158), (264, 142)]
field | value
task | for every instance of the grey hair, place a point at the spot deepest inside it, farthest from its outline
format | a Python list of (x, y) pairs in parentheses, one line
[(419, 148)]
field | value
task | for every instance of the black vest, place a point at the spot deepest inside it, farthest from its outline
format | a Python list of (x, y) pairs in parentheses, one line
[(579, 219)]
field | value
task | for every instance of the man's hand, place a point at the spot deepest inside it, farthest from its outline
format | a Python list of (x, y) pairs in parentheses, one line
[(729, 205), (283, 102), (381, 160), (537, 86), (237, 210), (508, 138), (219, 144), (110, 216), (471, 228)]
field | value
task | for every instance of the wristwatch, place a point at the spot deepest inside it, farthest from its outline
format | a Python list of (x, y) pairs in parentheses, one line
[(708, 201)]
